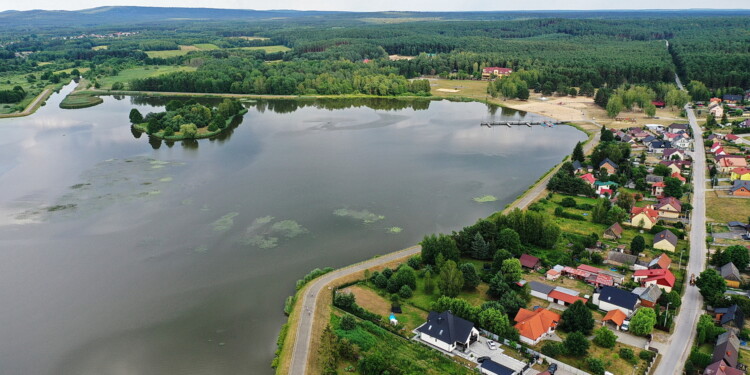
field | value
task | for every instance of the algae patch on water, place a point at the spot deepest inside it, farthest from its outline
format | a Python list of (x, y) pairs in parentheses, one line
[(225, 222), (364, 215), (394, 230), (264, 233), (485, 199)]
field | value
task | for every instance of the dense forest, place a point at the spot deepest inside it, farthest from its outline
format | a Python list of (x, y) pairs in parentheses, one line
[(348, 53)]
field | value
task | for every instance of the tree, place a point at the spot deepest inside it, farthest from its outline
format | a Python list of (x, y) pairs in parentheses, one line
[(480, 249), (625, 200), (573, 92), (577, 318), (576, 344), (328, 350), (497, 260), (711, 286), (348, 322), (672, 299), (498, 286), (595, 365), (676, 98), (607, 136), (509, 240), (662, 170), (451, 279), (707, 330), (441, 244), (511, 270), (643, 322), (135, 116), (498, 323), (738, 255), (405, 276), (189, 130), (380, 281), (637, 245), (405, 292), (616, 215), (552, 348), (605, 338), (650, 110), (614, 106), (429, 283), (578, 153), (471, 278), (599, 213), (673, 187)]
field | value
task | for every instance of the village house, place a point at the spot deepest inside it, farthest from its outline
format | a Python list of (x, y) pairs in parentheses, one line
[(652, 179), (677, 127), (530, 262), (643, 217), (490, 367), (609, 165), (577, 167), (489, 72), (721, 368), (715, 137), (614, 232), (658, 147), (616, 258), (726, 163), (740, 174), (665, 240), (589, 178), (731, 138), (673, 166), (731, 99), (716, 110), (657, 189), (740, 188), (673, 154), (669, 208), (663, 279), (609, 298), (731, 275), (730, 317), (727, 352), (679, 177), (603, 188), (616, 317), (553, 274), (648, 295), (663, 262), (447, 332), (564, 296), (533, 326)]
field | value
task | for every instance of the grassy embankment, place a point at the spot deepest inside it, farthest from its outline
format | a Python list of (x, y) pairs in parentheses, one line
[(33, 90), (179, 136)]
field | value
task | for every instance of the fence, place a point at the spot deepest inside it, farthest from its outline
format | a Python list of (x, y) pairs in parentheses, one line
[(560, 365)]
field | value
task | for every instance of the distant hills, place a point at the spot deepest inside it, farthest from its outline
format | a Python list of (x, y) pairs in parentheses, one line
[(114, 15)]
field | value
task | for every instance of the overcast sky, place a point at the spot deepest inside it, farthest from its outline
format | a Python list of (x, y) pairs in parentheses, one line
[(380, 5)]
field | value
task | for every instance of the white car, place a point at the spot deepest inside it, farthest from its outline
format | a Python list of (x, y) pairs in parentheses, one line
[(625, 325), (491, 344)]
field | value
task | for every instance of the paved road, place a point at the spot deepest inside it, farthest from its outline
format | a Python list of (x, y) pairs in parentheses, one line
[(309, 300), (682, 339), (531, 195)]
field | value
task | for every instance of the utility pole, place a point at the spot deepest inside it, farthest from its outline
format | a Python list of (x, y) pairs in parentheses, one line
[(679, 267), (666, 313)]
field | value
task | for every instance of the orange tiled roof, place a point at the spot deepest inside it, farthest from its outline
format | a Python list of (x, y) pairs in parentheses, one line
[(616, 316), (534, 324)]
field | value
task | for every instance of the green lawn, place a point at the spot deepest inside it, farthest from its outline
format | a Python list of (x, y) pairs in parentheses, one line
[(206, 46), (9, 81), (127, 75)]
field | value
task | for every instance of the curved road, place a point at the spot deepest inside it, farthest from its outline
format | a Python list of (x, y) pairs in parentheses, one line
[(301, 348), (682, 339), (310, 299)]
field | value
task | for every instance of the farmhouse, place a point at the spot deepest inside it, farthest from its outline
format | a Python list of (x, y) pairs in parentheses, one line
[(643, 217), (613, 232), (669, 208), (619, 259), (731, 275), (740, 188), (447, 332)]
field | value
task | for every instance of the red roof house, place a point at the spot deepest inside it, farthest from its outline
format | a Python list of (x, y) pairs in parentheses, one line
[(588, 177), (529, 261), (663, 278), (534, 325)]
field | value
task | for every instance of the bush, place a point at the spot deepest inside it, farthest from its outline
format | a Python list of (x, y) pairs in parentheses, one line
[(646, 355), (559, 212), (627, 354), (405, 292), (348, 322), (552, 349), (380, 281), (605, 338), (595, 365), (568, 202), (415, 262)]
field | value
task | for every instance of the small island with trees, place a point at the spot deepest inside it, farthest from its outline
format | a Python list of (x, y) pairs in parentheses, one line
[(187, 120)]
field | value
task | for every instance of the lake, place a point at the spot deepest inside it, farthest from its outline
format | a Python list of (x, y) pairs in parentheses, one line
[(122, 255)]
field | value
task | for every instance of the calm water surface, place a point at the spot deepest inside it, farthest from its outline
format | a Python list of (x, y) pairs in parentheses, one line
[(123, 256)]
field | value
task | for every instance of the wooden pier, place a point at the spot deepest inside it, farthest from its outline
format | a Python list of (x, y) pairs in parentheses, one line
[(517, 123)]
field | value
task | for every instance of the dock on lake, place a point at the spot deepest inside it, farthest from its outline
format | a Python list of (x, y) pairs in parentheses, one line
[(517, 123)]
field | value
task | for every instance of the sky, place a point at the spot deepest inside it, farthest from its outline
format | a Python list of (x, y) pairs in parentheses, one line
[(379, 5)]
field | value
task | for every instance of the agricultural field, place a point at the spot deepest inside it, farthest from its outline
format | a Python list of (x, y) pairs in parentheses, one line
[(127, 75), (184, 50), (268, 49)]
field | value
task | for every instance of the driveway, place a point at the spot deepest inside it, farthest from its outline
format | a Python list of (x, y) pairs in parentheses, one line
[(632, 340), (480, 349)]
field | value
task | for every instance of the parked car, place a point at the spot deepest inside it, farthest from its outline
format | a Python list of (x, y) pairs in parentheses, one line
[(625, 325), (491, 344), (552, 368), (482, 359)]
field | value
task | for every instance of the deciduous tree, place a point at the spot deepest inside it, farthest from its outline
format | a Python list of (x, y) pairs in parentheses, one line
[(451, 279)]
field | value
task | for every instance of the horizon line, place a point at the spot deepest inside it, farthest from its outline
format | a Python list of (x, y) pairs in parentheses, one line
[(393, 10)]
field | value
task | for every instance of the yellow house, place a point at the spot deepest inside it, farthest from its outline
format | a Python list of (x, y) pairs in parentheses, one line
[(665, 240), (669, 208), (673, 168), (643, 217), (740, 174)]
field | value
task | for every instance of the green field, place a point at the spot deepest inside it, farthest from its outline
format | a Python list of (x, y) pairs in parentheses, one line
[(74, 101), (8, 81), (184, 50), (268, 49), (127, 75)]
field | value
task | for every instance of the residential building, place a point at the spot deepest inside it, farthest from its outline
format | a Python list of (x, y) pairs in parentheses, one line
[(447, 332), (540, 290), (721, 368), (488, 72), (564, 297), (673, 154), (663, 279), (731, 275), (657, 189), (609, 298), (589, 178), (678, 127), (577, 167), (643, 217), (740, 188), (731, 316), (674, 167), (732, 99), (533, 326), (728, 352), (731, 138), (490, 367), (609, 165), (652, 179), (665, 240), (740, 174), (669, 208), (553, 275), (726, 163)]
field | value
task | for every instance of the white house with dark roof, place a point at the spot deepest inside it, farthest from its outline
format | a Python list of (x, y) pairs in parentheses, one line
[(447, 331), (609, 298)]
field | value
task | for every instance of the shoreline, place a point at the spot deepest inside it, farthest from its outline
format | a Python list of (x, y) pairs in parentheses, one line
[(33, 106), (287, 359)]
